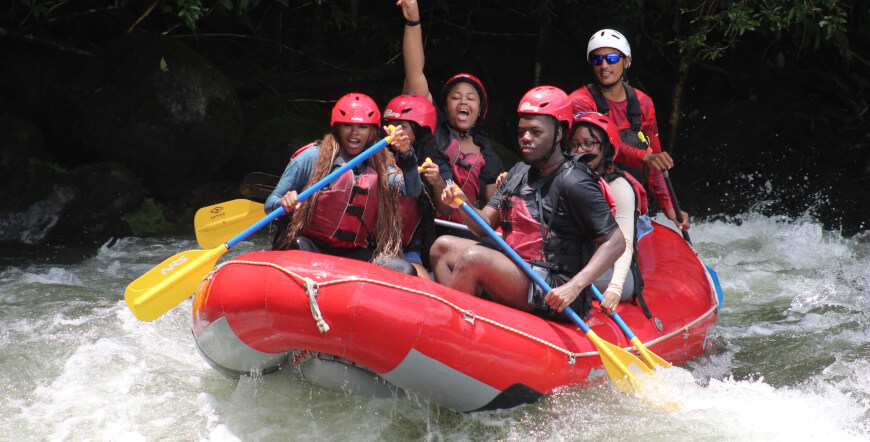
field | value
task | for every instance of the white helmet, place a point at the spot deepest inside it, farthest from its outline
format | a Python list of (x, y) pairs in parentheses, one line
[(608, 38)]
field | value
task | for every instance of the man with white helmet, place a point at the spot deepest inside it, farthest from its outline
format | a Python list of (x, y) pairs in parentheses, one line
[(640, 152)]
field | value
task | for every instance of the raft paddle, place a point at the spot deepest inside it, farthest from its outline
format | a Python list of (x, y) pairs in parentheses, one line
[(235, 216), (677, 210), (259, 185), (649, 358), (177, 278), (616, 360), (713, 275), (216, 224)]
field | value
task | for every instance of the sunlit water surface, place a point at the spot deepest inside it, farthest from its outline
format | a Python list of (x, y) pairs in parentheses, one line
[(789, 359)]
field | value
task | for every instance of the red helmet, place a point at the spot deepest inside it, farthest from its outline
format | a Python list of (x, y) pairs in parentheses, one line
[(602, 121), (474, 81), (355, 108), (412, 107), (547, 100)]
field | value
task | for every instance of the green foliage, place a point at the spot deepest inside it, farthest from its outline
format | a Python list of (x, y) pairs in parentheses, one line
[(37, 8), (39, 162), (709, 28), (148, 219), (189, 11)]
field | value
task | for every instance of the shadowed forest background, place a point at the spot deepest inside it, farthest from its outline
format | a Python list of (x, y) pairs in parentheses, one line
[(121, 118)]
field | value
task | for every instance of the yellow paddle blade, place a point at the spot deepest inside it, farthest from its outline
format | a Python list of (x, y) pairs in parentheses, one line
[(649, 358), (618, 363), (219, 223), (171, 282)]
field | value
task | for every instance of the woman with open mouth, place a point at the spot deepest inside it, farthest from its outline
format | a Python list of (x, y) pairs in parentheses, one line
[(354, 216), (463, 147)]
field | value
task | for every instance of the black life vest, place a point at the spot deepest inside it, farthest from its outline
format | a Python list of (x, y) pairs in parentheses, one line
[(526, 228), (633, 136)]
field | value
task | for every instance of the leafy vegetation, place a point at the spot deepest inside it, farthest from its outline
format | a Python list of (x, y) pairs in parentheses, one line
[(801, 66), (149, 219)]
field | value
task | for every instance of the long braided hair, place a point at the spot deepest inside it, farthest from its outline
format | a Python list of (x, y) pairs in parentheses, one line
[(388, 237)]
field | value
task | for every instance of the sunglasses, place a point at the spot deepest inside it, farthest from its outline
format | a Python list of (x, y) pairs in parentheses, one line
[(598, 59)]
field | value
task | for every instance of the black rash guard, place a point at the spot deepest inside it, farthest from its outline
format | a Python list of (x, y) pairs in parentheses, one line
[(581, 211)]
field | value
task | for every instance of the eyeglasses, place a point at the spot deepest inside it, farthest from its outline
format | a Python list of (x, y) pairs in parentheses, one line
[(586, 145), (611, 59)]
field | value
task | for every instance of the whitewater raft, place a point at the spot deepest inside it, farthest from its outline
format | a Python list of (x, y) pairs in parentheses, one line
[(349, 323)]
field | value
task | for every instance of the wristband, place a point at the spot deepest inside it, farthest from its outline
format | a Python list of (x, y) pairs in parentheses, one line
[(412, 23)]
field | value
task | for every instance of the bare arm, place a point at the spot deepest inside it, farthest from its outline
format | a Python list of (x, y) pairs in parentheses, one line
[(412, 52), (489, 214), (624, 216)]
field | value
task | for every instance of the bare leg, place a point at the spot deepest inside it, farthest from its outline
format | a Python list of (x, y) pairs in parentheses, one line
[(481, 267), (443, 254)]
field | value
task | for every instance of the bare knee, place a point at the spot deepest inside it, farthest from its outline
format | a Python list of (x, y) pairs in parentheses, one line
[(439, 248), (473, 257)]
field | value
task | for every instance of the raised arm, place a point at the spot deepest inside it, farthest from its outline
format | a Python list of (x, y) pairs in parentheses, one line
[(412, 51)]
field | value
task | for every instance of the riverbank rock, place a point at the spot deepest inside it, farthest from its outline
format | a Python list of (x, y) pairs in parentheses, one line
[(61, 205), (155, 106)]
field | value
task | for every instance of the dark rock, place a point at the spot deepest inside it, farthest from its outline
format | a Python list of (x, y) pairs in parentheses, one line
[(154, 105), (276, 128), (19, 142), (62, 205)]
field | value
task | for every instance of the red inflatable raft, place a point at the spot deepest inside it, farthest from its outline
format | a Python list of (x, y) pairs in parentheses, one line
[(257, 311)]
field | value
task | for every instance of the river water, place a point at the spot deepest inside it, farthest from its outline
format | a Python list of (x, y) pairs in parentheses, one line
[(789, 359)]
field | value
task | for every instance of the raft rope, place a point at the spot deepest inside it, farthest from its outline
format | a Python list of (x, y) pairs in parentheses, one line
[(311, 287)]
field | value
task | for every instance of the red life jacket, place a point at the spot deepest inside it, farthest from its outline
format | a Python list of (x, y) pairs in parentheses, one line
[(608, 195), (466, 174), (412, 214), (346, 212), (639, 192), (520, 229), (524, 234), (640, 209), (298, 151)]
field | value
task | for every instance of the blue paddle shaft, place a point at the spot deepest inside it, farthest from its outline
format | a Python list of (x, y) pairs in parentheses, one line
[(519, 261), (355, 161), (622, 325)]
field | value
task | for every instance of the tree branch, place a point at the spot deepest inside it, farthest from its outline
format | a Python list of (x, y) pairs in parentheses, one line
[(57, 45), (142, 17), (282, 45)]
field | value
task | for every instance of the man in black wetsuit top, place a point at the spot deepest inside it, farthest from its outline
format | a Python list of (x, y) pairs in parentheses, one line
[(552, 213)]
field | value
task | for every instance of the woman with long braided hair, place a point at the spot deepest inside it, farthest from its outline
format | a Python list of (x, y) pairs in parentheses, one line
[(357, 216)]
